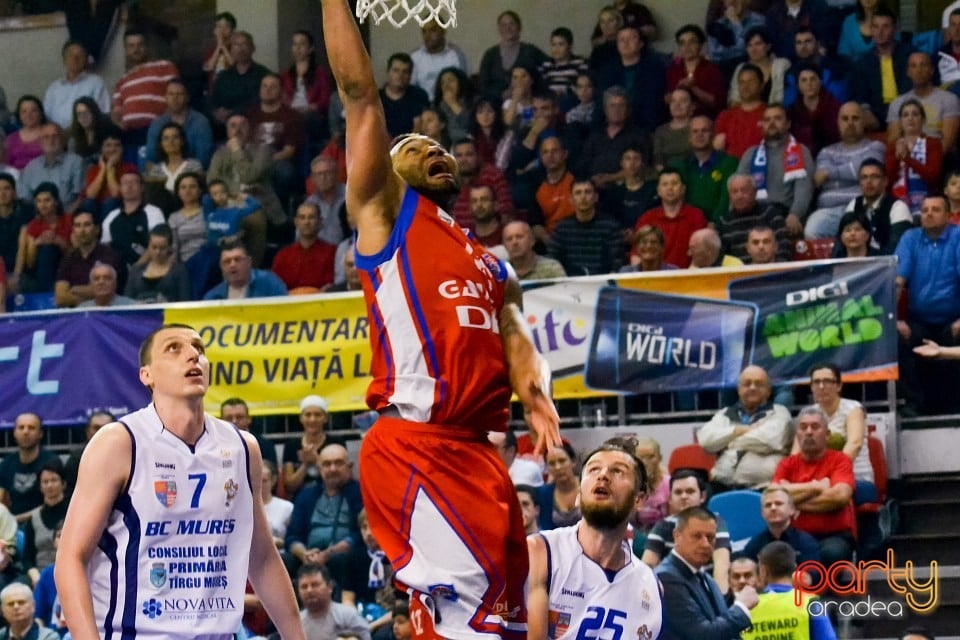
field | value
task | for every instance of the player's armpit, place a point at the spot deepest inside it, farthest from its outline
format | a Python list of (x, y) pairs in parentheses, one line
[(538, 596)]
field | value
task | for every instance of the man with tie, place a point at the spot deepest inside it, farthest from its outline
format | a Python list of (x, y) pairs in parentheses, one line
[(694, 606)]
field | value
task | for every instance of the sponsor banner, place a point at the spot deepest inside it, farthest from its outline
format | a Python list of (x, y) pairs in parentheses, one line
[(635, 333), (680, 330), (64, 366)]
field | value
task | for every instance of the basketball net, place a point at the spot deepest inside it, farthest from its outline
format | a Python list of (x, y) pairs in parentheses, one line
[(399, 12)]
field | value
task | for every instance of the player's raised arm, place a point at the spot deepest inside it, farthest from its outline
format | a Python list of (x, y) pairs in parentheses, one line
[(529, 372), (374, 190)]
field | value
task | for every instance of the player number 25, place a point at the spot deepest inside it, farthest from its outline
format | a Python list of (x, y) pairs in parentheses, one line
[(599, 618)]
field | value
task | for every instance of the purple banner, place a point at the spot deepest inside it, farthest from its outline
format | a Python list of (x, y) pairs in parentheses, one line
[(64, 366)]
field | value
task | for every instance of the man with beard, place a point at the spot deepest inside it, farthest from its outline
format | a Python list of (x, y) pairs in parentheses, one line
[(585, 577), (444, 366)]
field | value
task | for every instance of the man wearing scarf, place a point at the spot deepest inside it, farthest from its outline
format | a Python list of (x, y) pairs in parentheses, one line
[(782, 169)]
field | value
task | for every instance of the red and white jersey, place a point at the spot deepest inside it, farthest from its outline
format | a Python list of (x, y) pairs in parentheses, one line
[(433, 298)]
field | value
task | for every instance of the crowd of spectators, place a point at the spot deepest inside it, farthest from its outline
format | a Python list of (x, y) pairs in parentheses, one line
[(772, 123), (753, 133)]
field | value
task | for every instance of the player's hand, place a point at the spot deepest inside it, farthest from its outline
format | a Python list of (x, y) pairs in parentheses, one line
[(538, 410), (748, 596), (904, 329), (929, 349)]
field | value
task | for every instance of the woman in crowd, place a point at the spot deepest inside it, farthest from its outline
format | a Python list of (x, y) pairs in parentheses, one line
[(454, 97), (558, 499), (854, 237), (173, 156), (760, 54), (488, 131), (648, 248), (39, 550), (914, 160), (656, 505), (518, 107), (188, 228), (433, 124), (88, 129), (101, 189), (813, 116), (23, 145), (43, 241), (162, 278), (692, 71), (847, 425), (307, 86), (856, 34), (219, 59), (605, 45)]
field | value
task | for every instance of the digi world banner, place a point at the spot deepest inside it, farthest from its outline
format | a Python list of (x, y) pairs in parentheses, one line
[(682, 330), (637, 333)]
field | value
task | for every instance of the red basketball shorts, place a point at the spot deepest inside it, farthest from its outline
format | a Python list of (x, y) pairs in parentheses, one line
[(442, 507)]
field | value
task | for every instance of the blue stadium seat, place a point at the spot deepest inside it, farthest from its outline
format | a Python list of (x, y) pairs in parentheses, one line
[(741, 511)]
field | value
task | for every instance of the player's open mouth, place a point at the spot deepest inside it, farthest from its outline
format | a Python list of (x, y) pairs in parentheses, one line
[(438, 169), (196, 372)]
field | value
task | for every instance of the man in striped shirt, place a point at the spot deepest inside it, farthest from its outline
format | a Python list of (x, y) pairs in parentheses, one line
[(140, 94)]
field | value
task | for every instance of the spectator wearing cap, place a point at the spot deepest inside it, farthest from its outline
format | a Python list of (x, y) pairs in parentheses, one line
[(300, 455), (127, 228), (56, 165)]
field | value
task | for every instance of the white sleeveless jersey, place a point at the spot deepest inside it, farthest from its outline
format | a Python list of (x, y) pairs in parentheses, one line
[(172, 561), (586, 602)]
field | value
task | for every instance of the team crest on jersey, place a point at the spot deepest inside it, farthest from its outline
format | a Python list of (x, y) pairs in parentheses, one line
[(447, 591), (558, 623), (491, 262), (158, 574), (644, 633), (231, 488), (166, 492)]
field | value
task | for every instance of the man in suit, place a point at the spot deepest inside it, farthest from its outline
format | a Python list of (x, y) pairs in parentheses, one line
[(695, 609)]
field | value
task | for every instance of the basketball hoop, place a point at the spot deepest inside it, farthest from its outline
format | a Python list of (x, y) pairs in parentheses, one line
[(399, 12)]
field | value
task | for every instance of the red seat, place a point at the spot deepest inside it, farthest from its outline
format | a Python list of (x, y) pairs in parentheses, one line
[(691, 456), (818, 249)]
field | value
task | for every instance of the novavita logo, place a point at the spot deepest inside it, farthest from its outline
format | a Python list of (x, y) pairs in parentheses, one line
[(556, 329), (813, 294), (221, 603)]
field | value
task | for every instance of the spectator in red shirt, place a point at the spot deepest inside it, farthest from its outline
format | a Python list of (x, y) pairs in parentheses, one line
[(308, 262), (694, 72), (821, 482), (738, 128), (674, 217), (43, 241)]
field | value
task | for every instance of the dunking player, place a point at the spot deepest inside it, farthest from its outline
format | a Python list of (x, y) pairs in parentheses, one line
[(165, 527), (449, 344), (584, 579)]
